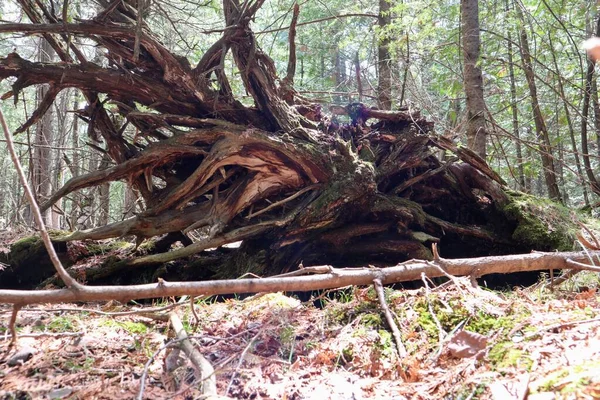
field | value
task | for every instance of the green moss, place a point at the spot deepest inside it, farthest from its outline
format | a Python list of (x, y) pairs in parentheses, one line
[(385, 343), (134, 328), (372, 319), (505, 355), (25, 243), (569, 380), (65, 323), (97, 248), (450, 314), (541, 223)]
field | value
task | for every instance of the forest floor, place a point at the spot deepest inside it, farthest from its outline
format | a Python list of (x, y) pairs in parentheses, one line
[(461, 343), (531, 344)]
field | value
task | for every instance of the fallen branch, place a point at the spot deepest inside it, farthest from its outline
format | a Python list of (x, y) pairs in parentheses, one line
[(206, 370), (390, 319), (408, 271)]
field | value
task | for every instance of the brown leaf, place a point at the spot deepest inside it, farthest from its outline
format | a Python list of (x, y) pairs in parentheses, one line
[(467, 344)]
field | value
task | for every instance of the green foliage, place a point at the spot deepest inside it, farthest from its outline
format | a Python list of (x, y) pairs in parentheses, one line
[(568, 381)]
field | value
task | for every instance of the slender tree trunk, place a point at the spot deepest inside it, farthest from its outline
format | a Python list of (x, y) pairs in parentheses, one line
[(75, 166), (528, 135), (359, 86), (514, 109), (41, 159), (384, 90), (473, 80), (540, 125), (4, 194), (56, 217), (587, 95), (405, 72), (561, 91), (104, 194), (129, 199), (15, 216), (339, 73), (596, 105)]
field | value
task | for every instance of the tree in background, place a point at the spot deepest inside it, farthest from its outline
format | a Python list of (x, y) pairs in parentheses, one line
[(473, 80), (541, 128), (384, 87), (41, 160)]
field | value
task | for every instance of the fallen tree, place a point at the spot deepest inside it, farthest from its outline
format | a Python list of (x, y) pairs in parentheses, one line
[(281, 176)]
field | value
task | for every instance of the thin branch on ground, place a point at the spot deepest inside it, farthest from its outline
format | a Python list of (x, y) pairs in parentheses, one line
[(171, 343), (441, 333), (204, 367), (555, 327), (582, 266), (241, 360), (390, 319), (47, 334), (12, 325)]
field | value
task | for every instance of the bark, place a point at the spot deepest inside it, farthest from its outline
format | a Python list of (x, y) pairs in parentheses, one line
[(543, 137), (473, 80)]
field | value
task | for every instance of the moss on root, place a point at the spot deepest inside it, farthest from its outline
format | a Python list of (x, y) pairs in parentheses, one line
[(541, 223)]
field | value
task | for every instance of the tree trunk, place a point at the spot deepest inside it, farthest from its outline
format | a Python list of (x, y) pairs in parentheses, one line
[(104, 194), (587, 95), (75, 167), (513, 106), (384, 89), (561, 91), (41, 172), (540, 124), (473, 80)]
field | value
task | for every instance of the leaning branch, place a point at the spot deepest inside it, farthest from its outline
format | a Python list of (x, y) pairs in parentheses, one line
[(37, 215)]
